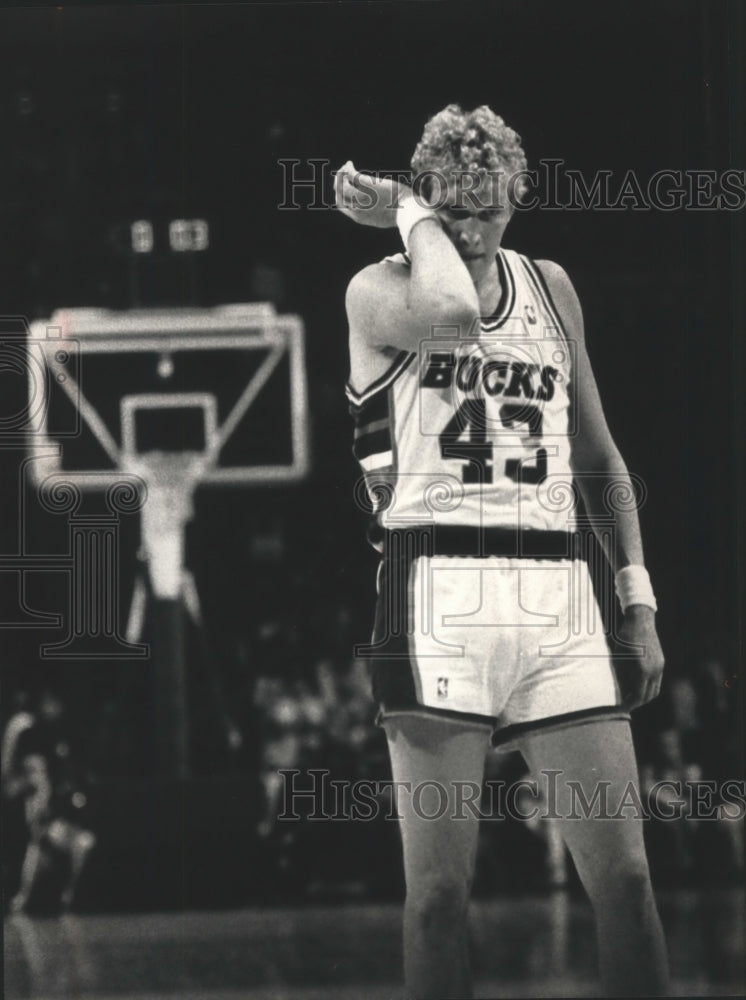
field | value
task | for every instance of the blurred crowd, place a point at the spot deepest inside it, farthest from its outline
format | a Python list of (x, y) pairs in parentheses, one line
[(276, 711)]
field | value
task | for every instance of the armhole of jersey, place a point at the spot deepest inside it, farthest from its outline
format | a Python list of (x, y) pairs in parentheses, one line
[(400, 363), (539, 283), (399, 258)]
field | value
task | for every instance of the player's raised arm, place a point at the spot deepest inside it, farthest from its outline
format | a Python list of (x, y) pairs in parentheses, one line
[(597, 464), (390, 305)]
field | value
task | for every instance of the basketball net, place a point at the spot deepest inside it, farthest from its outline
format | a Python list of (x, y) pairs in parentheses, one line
[(171, 478)]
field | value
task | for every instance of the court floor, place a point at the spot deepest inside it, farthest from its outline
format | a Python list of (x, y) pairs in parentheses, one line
[(531, 946)]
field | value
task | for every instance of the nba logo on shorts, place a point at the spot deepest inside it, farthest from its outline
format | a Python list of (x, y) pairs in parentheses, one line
[(442, 687)]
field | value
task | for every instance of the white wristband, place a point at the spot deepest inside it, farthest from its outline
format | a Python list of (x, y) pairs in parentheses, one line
[(409, 213), (633, 586)]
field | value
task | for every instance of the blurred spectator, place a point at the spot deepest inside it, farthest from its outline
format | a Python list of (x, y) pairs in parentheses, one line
[(665, 779), (690, 836), (717, 707), (521, 846), (39, 772)]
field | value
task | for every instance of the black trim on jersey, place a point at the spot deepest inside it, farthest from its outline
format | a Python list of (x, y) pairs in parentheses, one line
[(393, 428), (375, 408), (539, 283), (402, 360), (394, 259), (504, 307), (559, 721), (364, 425), (372, 443)]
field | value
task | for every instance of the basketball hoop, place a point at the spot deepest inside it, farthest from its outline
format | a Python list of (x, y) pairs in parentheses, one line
[(179, 398)]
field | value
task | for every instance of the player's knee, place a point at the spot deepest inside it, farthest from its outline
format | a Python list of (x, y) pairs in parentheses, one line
[(438, 898)]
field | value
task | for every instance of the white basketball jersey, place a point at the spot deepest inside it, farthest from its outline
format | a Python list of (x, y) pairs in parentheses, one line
[(474, 428)]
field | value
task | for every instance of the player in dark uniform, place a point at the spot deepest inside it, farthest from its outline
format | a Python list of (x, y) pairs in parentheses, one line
[(477, 417)]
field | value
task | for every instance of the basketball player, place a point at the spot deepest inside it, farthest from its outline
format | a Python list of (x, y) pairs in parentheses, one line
[(477, 417)]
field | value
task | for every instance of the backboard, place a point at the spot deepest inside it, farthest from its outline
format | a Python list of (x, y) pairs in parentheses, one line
[(227, 383)]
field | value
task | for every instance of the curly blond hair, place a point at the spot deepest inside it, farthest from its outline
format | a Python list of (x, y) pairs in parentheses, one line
[(455, 140)]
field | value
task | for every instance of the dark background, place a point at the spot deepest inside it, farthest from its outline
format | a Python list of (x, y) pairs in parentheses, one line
[(109, 114)]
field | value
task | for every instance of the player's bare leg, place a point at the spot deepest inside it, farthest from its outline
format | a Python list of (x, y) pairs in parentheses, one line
[(439, 853), (29, 871), (82, 843), (608, 853)]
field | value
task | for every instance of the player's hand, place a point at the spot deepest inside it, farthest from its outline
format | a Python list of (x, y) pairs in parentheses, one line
[(367, 200), (640, 671)]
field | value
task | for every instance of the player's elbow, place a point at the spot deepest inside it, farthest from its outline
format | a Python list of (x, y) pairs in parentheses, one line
[(448, 309), (461, 311)]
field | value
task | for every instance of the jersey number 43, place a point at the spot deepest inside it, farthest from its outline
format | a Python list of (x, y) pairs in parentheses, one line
[(465, 437)]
